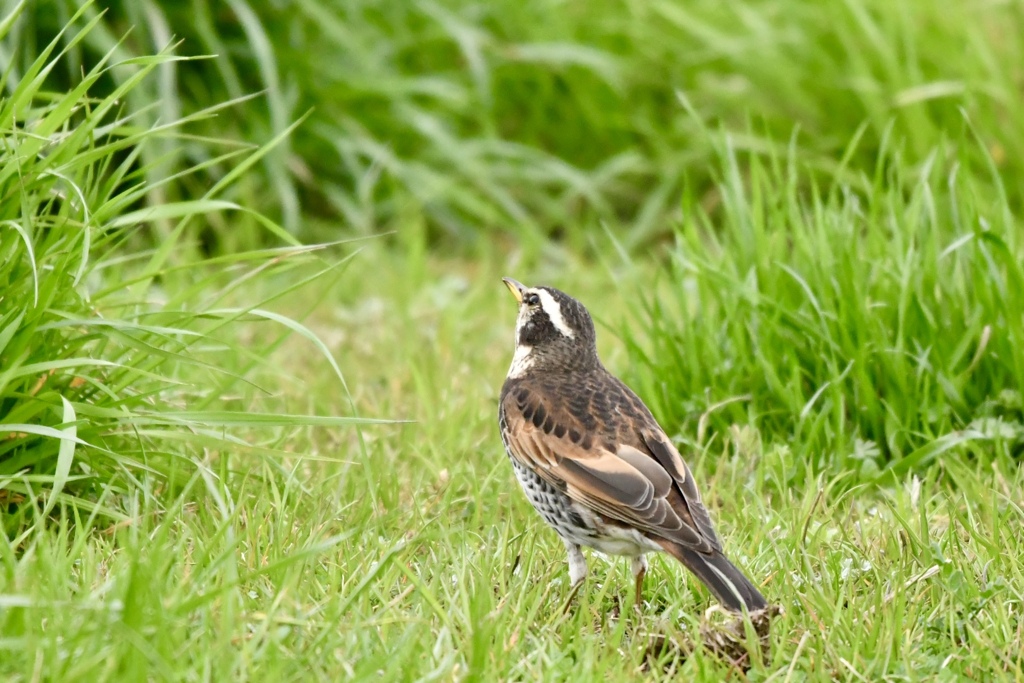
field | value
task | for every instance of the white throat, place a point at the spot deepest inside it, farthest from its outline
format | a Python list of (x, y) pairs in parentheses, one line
[(521, 361)]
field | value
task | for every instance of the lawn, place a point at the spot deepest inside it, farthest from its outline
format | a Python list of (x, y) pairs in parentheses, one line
[(248, 392)]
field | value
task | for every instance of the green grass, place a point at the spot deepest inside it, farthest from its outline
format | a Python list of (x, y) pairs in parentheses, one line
[(421, 557), (220, 463)]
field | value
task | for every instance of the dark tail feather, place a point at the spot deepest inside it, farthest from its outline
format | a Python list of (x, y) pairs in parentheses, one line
[(723, 579)]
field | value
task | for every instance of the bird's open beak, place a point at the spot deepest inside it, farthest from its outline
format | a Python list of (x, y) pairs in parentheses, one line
[(517, 288)]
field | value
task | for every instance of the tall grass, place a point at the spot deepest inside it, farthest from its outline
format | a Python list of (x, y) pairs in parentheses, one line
[(547, 117), (120, 349), (861, 329)]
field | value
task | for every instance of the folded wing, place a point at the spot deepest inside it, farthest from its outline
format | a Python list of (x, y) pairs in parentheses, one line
[(644, 484)]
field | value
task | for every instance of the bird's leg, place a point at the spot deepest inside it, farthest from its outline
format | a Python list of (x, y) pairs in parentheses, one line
[(577, 570), (577, 563), (639, 566)]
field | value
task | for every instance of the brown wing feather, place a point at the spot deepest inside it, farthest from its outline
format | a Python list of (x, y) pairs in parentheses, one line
[(647, 488), (666, 454)]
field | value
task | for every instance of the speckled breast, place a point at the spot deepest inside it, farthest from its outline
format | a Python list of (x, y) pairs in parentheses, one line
[(555, 507)]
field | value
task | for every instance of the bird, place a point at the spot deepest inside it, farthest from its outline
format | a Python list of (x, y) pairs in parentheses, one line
[(593, 460)]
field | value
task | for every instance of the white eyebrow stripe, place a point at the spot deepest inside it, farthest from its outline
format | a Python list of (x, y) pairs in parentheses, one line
[(554, 311)]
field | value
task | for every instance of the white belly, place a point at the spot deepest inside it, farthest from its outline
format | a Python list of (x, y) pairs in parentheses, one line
[(614, 540)]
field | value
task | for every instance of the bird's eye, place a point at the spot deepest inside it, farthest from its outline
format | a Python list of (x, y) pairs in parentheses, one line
[(531, 299)]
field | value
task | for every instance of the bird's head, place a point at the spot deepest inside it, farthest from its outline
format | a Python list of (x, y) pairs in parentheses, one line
[(553, 330)]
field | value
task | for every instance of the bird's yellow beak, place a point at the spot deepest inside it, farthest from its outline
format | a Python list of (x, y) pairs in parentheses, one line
[(517, 288)]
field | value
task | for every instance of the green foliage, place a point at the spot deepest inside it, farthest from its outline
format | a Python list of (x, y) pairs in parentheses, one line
[(113, 345), (547, 117)]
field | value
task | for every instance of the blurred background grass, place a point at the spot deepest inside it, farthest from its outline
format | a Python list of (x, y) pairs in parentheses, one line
[(552, 117)]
